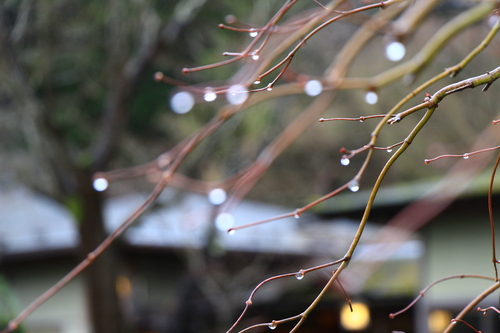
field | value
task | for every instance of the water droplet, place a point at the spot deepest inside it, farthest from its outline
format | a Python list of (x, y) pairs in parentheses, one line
[(253, 33), (492, 20), (361, 120), (256, 82), (299, 275), (313, 88), (395, 51), (485, 313), (465, 156), (237, 94), (210, 95), (182, 102), (270, 88), (100, 184), (354, 186), (224, 221), (296, 215), (371, 98), (272, 326), (345, 161), (389, 150), (249, 302), (232, 231), (230, 19), (163, 161), (217, 196), (255, 57)]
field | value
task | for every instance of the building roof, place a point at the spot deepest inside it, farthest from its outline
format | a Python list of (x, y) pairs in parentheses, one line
[(31, 223)]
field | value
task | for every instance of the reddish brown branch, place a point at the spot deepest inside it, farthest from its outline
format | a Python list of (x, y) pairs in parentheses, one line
[(492, 220), (466, 323), (298, 275), (487, 309), (423, 291), (464, 156)]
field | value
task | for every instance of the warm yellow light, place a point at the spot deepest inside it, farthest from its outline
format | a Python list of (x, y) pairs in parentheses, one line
[(438, 320), (356, 320), (123, 286)]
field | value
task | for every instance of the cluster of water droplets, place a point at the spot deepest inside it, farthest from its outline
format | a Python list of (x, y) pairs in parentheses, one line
[(183, 101)]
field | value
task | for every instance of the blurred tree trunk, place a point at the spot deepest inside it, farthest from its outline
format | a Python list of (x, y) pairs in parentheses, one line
[(101, 276)]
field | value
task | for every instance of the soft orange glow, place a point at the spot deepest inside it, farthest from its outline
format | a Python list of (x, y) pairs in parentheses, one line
[(438, 320), (123, 286), (356, 320)]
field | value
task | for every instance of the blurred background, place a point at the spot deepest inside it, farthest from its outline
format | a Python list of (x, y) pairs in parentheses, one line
[(78, 95)]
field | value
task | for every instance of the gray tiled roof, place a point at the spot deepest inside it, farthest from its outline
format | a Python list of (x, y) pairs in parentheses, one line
[(30, 223)]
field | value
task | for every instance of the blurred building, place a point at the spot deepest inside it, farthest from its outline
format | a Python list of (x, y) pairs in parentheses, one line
[(175, 246)]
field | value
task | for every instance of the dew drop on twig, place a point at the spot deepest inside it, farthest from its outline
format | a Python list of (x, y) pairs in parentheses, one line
[(345, 161), (217, 196), (237, 94), (492, 20), (313, 88), (253, 33), (100, 184), (182, 102), (371, 98), (465, 156), (272, 326), (256, 82), (210, 95), (299, 275), (224, 221), (255, 57), (395, 51), (389, 150), (231, 231), (354, 186)]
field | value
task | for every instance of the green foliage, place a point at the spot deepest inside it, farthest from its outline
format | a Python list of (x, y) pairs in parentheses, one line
[(75, 205), (8, 304)]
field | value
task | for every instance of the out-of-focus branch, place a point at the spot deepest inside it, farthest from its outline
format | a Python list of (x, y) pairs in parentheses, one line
[(44, 143), (428, 51), (124, 85)]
